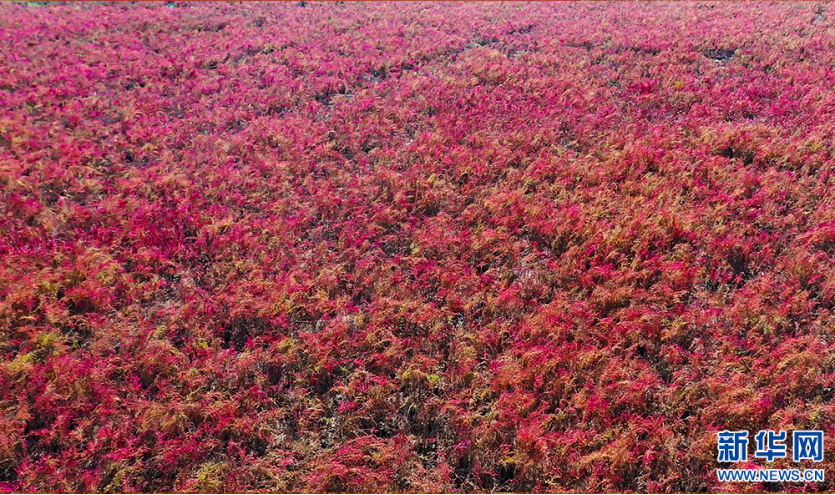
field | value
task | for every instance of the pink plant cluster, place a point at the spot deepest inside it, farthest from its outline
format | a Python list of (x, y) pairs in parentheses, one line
[(406, 247)]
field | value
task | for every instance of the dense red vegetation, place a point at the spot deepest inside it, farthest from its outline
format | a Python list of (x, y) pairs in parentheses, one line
[(411, 247)]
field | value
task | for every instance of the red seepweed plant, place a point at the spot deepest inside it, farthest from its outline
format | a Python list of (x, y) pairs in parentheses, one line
[(420, 247)]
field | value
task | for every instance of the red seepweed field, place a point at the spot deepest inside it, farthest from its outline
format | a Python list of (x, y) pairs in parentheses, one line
[(412, 247)]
